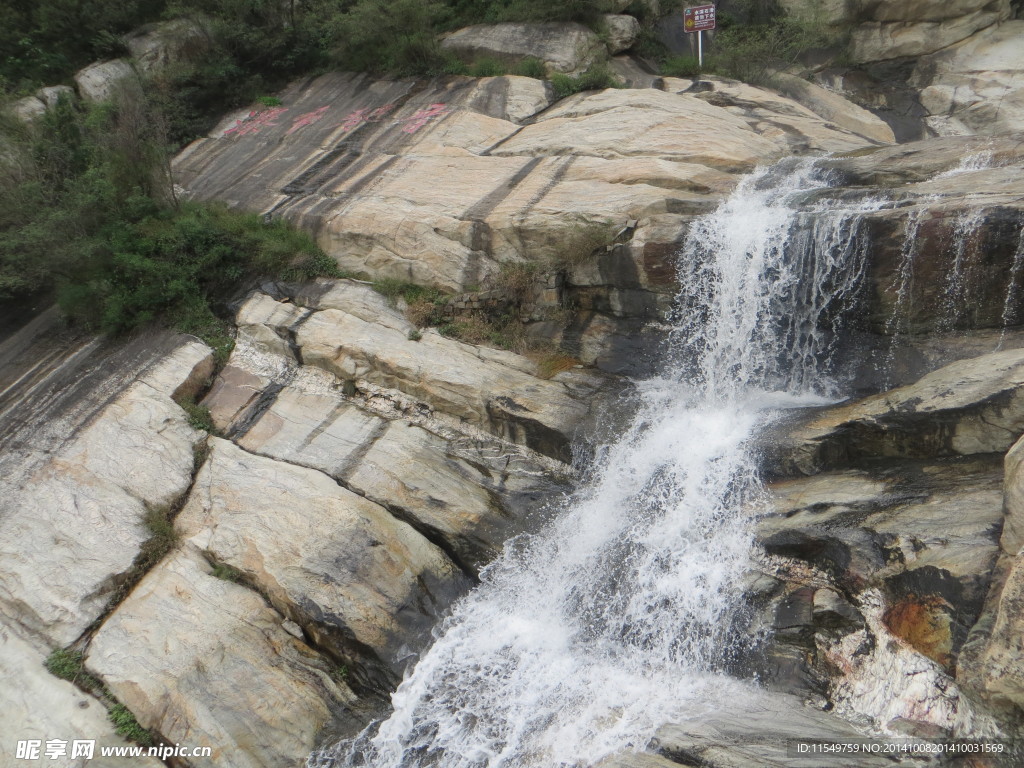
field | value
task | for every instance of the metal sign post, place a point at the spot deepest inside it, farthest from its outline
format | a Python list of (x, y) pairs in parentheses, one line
[(697, 19)]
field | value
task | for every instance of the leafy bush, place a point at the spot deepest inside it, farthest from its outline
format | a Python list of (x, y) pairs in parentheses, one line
[(681, 66), (43, 41), (398, 36), (531, 67), (198, 415), (226, 572), (88, 211), (487, 68), (752, 51)]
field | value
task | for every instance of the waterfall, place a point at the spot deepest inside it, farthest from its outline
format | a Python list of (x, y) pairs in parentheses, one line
[(584, 638), (960, 284), (1010, 314)]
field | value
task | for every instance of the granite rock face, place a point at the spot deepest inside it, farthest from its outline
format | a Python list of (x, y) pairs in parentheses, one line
[(561, 47), (76, 524), (96, 82), (357, 162), (974, 87), (207, 662), (973, 406), (39, 706), (898, 30), (156, 47), (356, 579)]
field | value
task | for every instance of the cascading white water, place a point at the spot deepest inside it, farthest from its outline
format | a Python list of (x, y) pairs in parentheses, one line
[(1013, 291), (584, 638)]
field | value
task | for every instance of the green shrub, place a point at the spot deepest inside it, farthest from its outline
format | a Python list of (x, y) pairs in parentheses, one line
[(397, 36), (44, 41), (596, 78), (579, 244), (87, 209), (487, 68), (531, 67), (681, 66), (752, 51), (162, 536), (226, 572)]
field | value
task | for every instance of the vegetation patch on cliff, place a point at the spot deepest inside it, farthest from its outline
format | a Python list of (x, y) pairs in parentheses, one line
[(87, 211)]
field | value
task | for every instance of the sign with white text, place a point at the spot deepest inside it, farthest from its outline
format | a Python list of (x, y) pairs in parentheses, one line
[(699, 18)]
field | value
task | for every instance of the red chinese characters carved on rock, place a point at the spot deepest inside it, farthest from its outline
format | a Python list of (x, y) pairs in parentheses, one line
[(423, 116), (365, 115), (307, 119), (255, 121)]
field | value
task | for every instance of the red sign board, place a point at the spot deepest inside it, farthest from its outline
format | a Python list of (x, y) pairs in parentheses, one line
[(699, 18)]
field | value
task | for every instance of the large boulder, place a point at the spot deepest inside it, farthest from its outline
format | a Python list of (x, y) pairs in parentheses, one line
[(362, 584), (621, 32), (206, 662), (900, 30), (975, 87), (97, 82), (28, 109), (155, 47), (50, 95), (562, 47), (999, 670)]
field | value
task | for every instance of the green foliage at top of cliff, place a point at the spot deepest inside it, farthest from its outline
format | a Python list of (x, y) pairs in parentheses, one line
[(87, 211), (43, 41), (253, 47)]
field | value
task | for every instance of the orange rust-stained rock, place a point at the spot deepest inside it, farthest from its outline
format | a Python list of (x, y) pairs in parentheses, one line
[(924, 623)]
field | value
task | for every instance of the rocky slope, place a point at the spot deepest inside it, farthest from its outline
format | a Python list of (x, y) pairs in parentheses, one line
[(360, 470)]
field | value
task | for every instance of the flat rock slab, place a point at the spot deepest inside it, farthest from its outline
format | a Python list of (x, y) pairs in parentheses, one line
[(362, 583), (76, 524), (969, 407), (760, 730), (369, 343), (208, 663), (440, 182), (471, 503)]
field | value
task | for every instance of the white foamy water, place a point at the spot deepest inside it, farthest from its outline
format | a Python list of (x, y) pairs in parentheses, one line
[(583, 639)]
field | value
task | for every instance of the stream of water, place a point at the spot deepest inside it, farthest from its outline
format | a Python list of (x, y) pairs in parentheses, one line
[(584, 638)]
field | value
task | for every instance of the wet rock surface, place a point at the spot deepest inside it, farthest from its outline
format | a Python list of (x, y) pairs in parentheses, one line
[(968, 407)]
